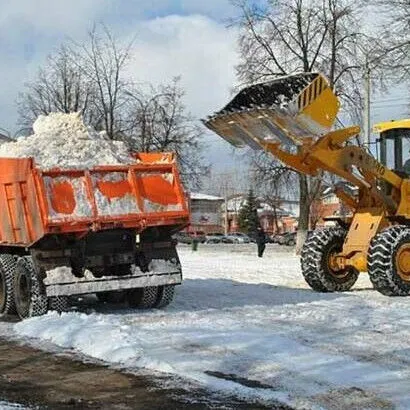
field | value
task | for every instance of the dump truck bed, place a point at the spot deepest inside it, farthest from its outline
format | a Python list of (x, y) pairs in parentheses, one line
[(38, 202)]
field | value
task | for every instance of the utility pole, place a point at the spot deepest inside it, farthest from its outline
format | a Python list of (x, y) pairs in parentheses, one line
[(226, 212), (366, 114)]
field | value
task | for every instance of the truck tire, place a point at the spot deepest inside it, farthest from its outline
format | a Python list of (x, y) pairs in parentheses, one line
[(7, 270), (388, 261), (165, 296), (143, 298), (29, 292), (316, 262), (59, 303), (112, 296)]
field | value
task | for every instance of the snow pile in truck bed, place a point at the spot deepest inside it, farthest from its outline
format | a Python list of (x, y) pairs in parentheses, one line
[(64, 141)]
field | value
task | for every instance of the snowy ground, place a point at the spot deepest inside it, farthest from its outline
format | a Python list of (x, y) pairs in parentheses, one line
[(251, 327)]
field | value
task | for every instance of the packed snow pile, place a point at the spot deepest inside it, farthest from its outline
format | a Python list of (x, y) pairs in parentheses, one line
[(252, 327), (64, 141)]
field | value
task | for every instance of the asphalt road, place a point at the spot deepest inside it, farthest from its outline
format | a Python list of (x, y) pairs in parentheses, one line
[(44, 380)]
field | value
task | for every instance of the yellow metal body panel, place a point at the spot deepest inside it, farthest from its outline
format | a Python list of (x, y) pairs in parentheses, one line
[(365, 224), (391, 125), (404, 205), (321, 110), (292, 133)]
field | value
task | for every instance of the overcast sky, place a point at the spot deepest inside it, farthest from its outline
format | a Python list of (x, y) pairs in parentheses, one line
[(173, 37), (190, 38)]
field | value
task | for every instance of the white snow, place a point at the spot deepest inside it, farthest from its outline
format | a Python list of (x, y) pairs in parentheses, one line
[(64, 141), (4, 405), (198, 195), (255, 319)]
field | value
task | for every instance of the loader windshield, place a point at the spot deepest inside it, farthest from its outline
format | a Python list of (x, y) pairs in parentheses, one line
[(395, 144)]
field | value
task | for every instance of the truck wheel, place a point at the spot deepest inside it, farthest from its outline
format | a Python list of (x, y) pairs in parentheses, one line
[(29, 293), (112, 296), (388, 261), (165, 295), (7, 270), (143, 298), (59, 303), (316, 262)]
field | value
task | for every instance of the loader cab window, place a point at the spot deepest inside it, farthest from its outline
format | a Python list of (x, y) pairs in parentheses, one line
[(394, 149)]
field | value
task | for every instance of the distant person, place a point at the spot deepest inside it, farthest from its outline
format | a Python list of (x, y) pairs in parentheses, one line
[(260, 241)]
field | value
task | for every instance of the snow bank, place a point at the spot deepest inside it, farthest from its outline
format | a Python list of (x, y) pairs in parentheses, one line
[(63, 140), (240, 321), (12, 406)]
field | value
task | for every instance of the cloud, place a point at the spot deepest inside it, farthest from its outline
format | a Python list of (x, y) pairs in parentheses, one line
[(203, 52), (199, 49)]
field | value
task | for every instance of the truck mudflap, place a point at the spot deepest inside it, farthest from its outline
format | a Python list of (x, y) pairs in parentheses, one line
[(61, 282)]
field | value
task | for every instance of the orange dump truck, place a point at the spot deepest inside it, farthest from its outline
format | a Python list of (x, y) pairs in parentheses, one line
[(105, 230)]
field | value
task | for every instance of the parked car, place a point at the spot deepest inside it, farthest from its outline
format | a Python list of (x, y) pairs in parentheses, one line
[(214, 237), (238, 237), (289, 239), (182, 237), (275, 238), (198, 235)]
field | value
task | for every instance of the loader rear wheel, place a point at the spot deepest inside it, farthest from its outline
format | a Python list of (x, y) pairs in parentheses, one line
[(165, 296), (143, 298), (317, 262), (7, 269), (388, 261), (29, 293)]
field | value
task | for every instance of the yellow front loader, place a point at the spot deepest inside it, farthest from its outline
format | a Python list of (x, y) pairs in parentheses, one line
[(292, 118)]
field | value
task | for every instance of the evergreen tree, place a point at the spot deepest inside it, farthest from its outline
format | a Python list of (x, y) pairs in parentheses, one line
[(248, 214)]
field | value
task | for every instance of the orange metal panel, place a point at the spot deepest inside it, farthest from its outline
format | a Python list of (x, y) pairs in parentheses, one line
[(38, 202)]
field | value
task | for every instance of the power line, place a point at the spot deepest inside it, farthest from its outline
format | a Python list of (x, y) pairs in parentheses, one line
[(406, 98), (392, 105)]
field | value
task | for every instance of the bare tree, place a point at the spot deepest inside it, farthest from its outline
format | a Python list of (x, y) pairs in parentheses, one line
[(393, 51), (91, 78), (291, 36), (102, 61), (157, 120), (60, 86)]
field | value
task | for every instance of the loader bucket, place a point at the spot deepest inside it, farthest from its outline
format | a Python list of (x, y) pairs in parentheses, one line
[(285, 110)]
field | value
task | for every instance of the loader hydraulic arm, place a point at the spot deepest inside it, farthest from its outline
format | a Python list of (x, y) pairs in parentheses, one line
[(292, 117), (350, 162)]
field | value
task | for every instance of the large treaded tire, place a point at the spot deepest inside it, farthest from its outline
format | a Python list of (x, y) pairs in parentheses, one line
[(165, 296), (315, 262), (143, 298), (29, 292), (7, 269), (381, 261), (59, 303), (112, 296)]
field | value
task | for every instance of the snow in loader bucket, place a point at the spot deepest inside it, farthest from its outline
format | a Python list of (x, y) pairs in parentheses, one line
[(285, 110)]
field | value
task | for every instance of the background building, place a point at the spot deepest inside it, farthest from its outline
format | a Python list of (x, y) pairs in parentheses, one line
[(206, 211)]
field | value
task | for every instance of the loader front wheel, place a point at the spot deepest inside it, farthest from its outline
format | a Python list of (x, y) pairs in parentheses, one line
[(317, 262), (388, 261), (29, 293), (7, 269)]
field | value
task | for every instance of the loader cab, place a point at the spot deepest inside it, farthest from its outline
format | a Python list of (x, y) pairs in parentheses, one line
[(394, 144)]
